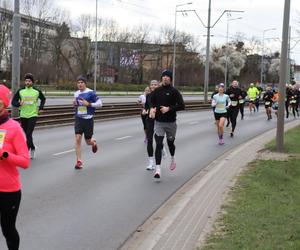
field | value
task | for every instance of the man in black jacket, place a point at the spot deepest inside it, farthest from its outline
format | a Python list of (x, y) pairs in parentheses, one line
[(165, 102), (235, 94)]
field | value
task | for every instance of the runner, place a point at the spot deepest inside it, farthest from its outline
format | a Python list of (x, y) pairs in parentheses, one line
[(221, 102), (26, 99), (275, 101), (288, 96), (85, 103), (242, 101), (252, 96), (293, 100), (268, 99), (235, 94), (150, 125), (165, 102), (260, 89), (13, 154), (141, 101)]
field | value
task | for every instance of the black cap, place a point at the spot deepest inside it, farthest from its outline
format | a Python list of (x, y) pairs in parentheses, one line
[(167, 73)]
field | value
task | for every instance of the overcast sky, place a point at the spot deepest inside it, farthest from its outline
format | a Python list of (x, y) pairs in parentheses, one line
[(258, 15)]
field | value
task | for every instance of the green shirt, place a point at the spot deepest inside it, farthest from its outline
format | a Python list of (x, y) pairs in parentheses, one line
[(29, 96)]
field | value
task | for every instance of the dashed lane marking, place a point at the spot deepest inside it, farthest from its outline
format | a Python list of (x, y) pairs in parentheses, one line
[(64, 152), (123, 138)]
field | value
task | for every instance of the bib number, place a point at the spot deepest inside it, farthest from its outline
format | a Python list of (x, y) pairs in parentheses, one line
[(82, 110), (267, 103), (220, 106), (241, 101), (234, 103), (2, 137)]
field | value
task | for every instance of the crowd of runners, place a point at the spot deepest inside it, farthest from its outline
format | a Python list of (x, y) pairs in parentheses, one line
[(159, 105)]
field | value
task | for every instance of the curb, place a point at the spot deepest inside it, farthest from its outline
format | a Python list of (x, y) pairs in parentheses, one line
[(185, 219)]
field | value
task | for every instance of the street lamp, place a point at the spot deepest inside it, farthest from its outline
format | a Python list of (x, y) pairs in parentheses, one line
[(262, 54), (226, 51), (174, 41), (96, 48)]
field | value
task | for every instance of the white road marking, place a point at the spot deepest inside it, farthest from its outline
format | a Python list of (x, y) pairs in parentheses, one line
[(193, 123), (123, 138), (64, 152)]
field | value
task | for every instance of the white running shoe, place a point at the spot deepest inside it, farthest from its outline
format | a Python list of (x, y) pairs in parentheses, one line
[(172, 165), (150, 167), (32, 151), (157, 173)]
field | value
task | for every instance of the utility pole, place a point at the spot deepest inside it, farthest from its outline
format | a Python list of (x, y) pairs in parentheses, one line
[(288, 64), (206, 74), (283, 69), (15, 78)]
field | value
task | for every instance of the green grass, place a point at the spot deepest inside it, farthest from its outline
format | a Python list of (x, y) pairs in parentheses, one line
[(263, 211), (291, 141)]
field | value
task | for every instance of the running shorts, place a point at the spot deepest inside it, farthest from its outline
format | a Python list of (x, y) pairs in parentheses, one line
[(84, 126), (219, 115), (168, 128)]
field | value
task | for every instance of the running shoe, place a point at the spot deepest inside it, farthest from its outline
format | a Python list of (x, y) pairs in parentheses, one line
[(231, 134), (157, 173), (78, 165), (32, 151), (150, 167), (221, 141), (94, 147), (172, 165)]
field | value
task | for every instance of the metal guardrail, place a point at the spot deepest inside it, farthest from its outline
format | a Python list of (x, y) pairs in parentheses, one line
[(64, 114)]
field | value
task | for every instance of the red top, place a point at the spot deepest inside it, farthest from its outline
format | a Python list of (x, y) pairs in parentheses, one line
[(15, 144)]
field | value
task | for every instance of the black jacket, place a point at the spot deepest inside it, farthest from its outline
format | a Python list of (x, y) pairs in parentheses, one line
[(170, 97)]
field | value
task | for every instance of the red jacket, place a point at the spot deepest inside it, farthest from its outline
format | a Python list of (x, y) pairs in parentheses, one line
[(15, 145)]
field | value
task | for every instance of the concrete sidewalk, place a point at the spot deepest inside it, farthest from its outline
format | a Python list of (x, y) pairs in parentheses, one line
[(185, 219)]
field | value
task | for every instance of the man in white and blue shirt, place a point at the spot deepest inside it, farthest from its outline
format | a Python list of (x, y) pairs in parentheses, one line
[(85, 103)]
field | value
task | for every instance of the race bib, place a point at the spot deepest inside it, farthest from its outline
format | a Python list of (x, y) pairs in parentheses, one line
[(28, 100), (293, 101), (267, 103), (220, 106), (234, 103), (2, 137), (241, 101), (82, 110)]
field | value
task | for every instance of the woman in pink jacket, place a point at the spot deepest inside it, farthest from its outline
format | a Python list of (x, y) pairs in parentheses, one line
[(13, 154)]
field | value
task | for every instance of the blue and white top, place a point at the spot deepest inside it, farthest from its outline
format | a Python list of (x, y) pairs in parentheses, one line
[(86, 112), (221, 102)]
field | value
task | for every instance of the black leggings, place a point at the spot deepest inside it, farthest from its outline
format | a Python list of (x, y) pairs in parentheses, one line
[(9, 207), (28, 125), (241, 107), (150, 132), (232, 115), (159, 146)]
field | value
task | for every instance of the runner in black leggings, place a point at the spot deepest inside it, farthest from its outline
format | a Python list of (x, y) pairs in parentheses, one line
[(150, 126), (235, 94), (13, 154)]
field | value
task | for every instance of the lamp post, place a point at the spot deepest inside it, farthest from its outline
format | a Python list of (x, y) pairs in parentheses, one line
[(96, 48), (174, 41), (262, 54), (226, 51)]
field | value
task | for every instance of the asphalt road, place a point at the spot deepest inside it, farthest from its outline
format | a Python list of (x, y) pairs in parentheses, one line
[(99, 206)]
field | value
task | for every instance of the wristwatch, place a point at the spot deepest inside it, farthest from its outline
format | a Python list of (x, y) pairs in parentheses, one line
[(4, 155)]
